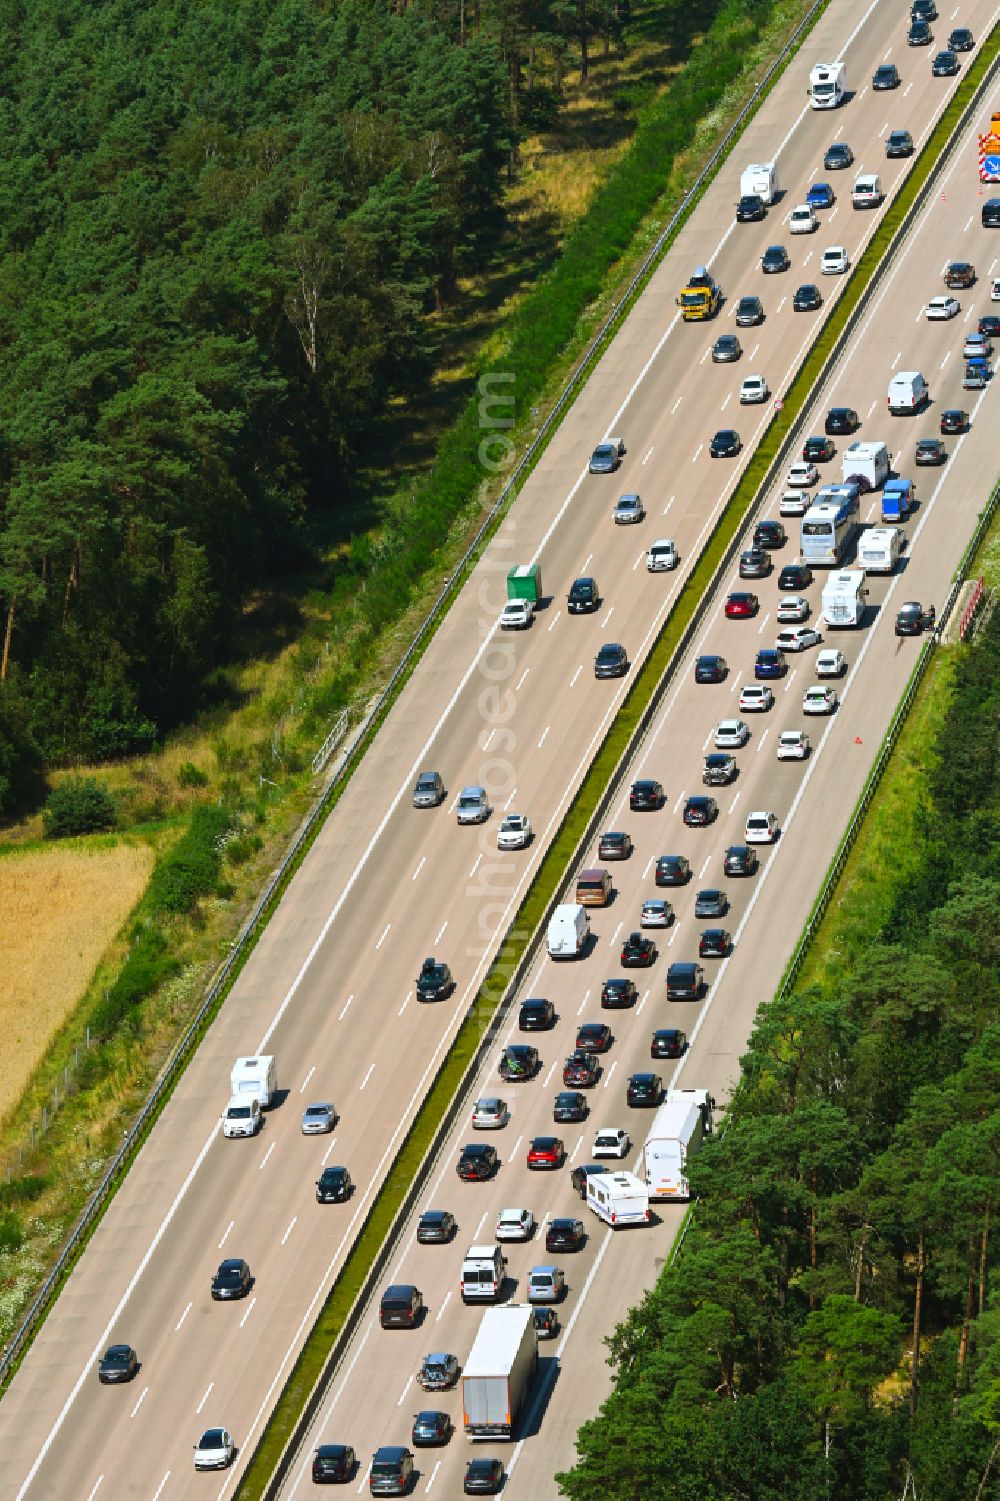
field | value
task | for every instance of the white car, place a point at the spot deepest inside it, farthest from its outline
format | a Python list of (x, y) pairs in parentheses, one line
[(802, 473), (797, 638), (802, 220), (977, 347), (730, 734), (656, 913), (830, 663), (995, 289), (662, 556), (756, 697), (834, 261), (940, 308), (819, 700), (792, 607), (754, 390), (490, 1114), (611, 1141), (214, 1450), (761, 828), (514, 832), (517, 615), (629, 509), (515, 1224), (793, 745), (794, 503), (319, 1119)]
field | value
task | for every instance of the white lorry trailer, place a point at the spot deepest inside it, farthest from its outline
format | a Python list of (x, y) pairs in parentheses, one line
[(618, 1199), (760, 180), (677, 1132), (569, 928), (880, 548), (498, 1372), (844, 598), (828, 85)]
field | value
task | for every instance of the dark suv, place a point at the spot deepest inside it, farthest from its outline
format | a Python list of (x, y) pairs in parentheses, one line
[(684, 982), (644, 1089), (536, 1016), (519, 1062), (434, 981), (584, 597), (401, 1306), (991, 213), (333, 1464)]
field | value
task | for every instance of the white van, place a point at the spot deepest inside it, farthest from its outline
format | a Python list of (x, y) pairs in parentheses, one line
[(483, 1271), (867, 191), (569, 928), (908, 392), (881, 548)]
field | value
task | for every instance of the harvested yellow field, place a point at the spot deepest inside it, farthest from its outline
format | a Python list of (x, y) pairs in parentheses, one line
[(59, 911)]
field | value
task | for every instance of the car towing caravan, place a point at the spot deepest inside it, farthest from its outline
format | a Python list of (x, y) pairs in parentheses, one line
[(866, 465), (760, 180), (880, 548), (619, 1199), (677, 1132), (844, 599)]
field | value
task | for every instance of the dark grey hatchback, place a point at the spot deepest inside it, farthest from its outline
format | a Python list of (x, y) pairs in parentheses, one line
[(118, 1363), (611, 661)]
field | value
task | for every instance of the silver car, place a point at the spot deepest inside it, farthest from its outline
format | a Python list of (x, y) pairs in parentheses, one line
[(318, 1119), (656, 913), (515, 1224), (546, 1284), (514, 832), (730, 734), (473, 805), (629, 509), (490, 1114), (429, 790)]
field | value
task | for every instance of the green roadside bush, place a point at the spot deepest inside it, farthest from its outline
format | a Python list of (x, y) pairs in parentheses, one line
[(22, 1190), (11, 1232), (191, 869), (79, 805), (148, 964)]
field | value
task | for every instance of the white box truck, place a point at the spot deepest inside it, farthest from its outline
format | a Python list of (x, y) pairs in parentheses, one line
[(618, 1199), (844, 598), (569, 928), (880, 548), (255, 1079), (866, 464), (700, 1097), (828, 85), (760, 180), (677, 1132), (498, 1372)]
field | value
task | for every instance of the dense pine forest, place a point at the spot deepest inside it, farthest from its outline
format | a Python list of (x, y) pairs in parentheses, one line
[(831, 1322), (223, 227)]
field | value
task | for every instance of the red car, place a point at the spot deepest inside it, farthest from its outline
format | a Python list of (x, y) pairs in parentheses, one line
[(581, 1070), (741, 605), (546, 1151)]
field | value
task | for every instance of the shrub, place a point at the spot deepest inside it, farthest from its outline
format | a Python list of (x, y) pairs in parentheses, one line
[(11, 1232), (22, 1190), (79, 805), (240, 850), (191, 869), (145, 968), (190, 775)]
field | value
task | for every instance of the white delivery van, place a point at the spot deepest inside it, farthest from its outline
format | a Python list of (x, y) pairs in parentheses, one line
[(827, 85), (867, 192), (866, 464), (880, 548), (255, 1079), (844, 599), (908, 392), (760, 179), (569, 928), (618, 1199), (677, 1132), (483, 1271)]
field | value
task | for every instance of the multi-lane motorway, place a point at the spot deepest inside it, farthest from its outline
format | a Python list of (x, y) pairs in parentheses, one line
[(329, 989)]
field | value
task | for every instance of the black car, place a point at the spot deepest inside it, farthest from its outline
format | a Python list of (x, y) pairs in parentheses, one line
[(726, 349), (401, 1306), (719, 769), (581, 1069), (434, 982), (991, 213), (569, 1106), (930, 451), (477, 1162), (668, 1042), (769, 534), (593, 1037), (700, 810), (912, 619), (899, 143), (750, 208), (118, 1363), (711, 902), (546, 1322), (945, 65), (638, 952), (685, 981), (795, 576), (839, 155), (565, 1235), (923, 10), (646, 796), (518, 1063), (483, 1477), (619, 994), (754, 563), (807, 298), (725, 444), (672, 870), (430, 1428), (886, 76), (841, 420), (818, 450), (714, 943), (611, 661), (536, 1016), (954, 420), (578, 1177), (961, 40), (333, 1186), (710, 669), (333, 1464), (749, 312), (919, 34), (232, 1280), (989, 323), (435, 1227), (740, 860), (584, 597), (774, 259), (614, 847), (644, 1089)]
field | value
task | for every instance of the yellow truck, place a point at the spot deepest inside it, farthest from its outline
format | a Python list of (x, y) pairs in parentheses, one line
[(701, 298)]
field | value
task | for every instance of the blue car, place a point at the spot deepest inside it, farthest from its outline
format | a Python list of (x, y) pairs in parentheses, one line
[(770, 663), (820, 195), (977, 373)]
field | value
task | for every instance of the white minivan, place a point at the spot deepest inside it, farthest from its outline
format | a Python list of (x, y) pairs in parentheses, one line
[(908, 392)]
